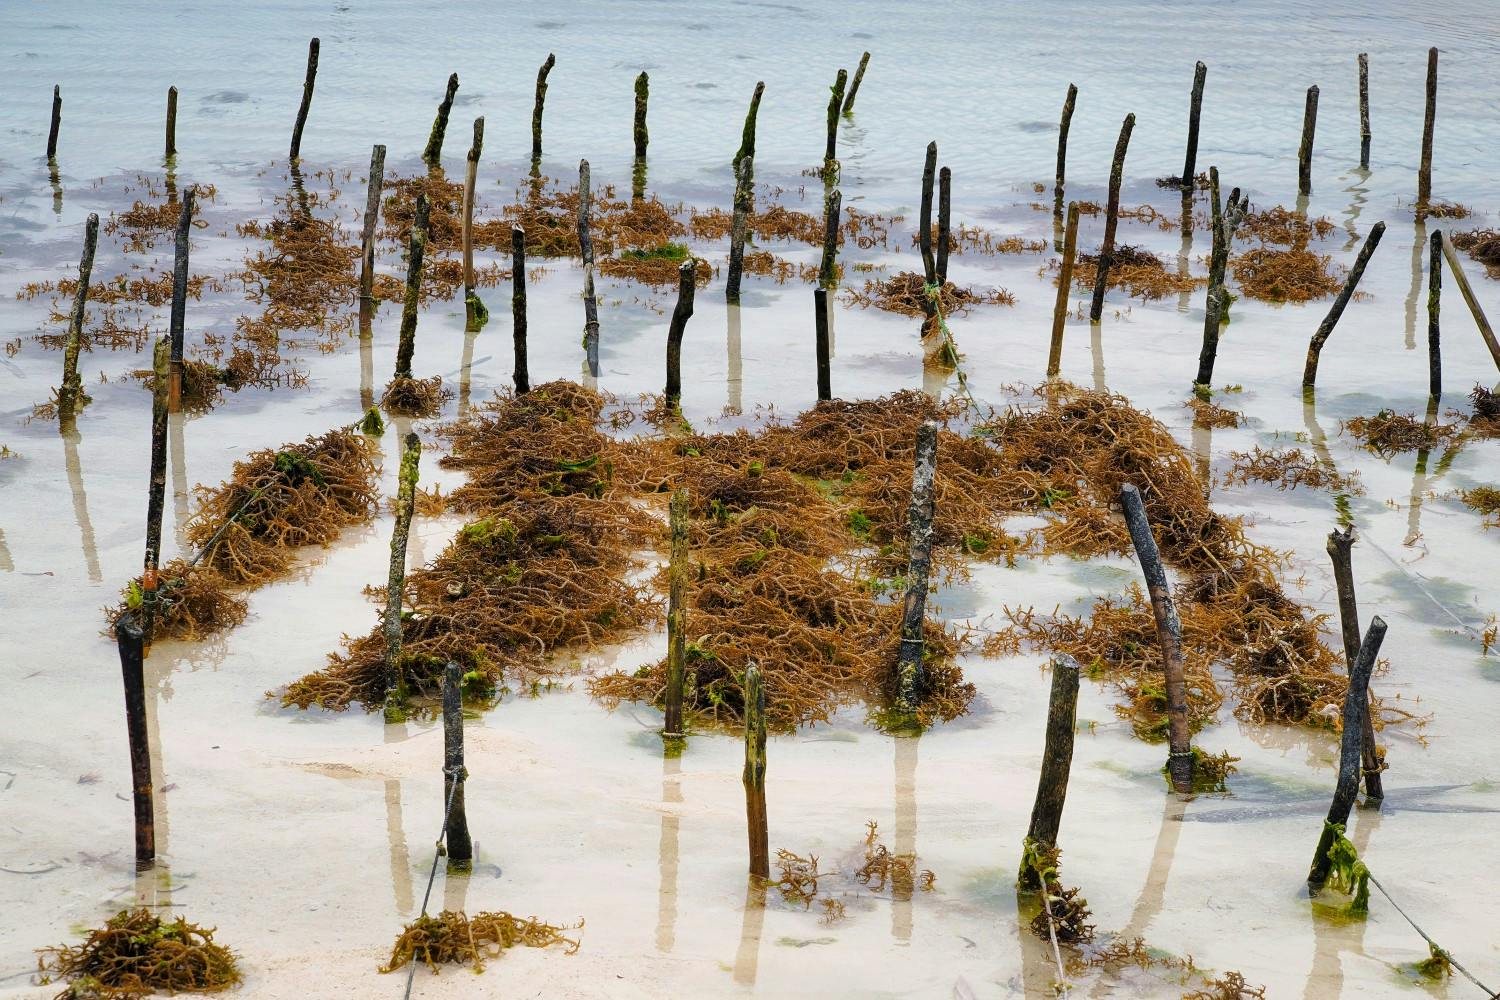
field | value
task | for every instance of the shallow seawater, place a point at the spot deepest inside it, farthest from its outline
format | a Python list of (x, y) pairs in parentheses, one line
[(307, 837)]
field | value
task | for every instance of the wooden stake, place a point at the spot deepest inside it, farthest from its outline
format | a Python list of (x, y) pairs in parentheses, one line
[(755, 773), (372, 218), (586, 248), (132, 643), (1223, 223), (307, 94), (1355, 704), (474, 312), (919, 514), (945, 208), (536, 109), (1340, 544), (859, 76), (832, 209), (1464, 289), (1429, 120), (924, 234), (1325, 328), (1057, 763), (1064, 286), (395, 592), (407, 345), (460, 848), (1111, 218), (747, 139), (71, 393), (56, 123), (1434, 295), (1062, 148), (156, 496), (677, 573), (171, 122), (518, 307), (1305, 149), (433, 154), (835, 102), (739, 227), (1195, 109), (178, 321), (680, 315), (823, 344), (642, 95), (1168, 634), (1364, 111)]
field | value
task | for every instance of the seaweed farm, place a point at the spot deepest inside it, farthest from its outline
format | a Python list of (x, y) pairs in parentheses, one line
[(629, 500)]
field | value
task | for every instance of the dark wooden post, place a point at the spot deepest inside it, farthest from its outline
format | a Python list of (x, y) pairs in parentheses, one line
[(1111, 218), (755, 773), (1168, 634), (536, 109), (1062, 148), (859, 76), (1195, 109), (1057, 764), (642, 95), (1434, 296), (432, 155), (475, 314), (832, 209), (132, 643), (1356, 703), (738, 230), (1340, 544), (1305, 149), (307, 95), (518, 307), (924, 234), (747, 138), (677, 574), (156, 496), (945, 209), (1467, 291), (456, 835), (171, 122), (178, 321), (1064, 286), (371, 220), (56, 123), (406, 492), (1325, 328), (586, 249), (1364, 111), (835, 103), (1224, 223), (407, 345), (909, 677), (71, 393), (822, 344), (686, 276), (1429, 120)]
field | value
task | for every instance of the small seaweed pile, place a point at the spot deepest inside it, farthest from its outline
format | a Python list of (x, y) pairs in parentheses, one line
[(445, 201), (1485, 501), (458, 939), (1485, 418), (1283, 227), (1389, 433), (1292, 275), (1064, 912), (1287, 469), (906, 293), (1207, 413), (659, 266), (1483, 246), (1137, 270), (879, 870), (136, 954)]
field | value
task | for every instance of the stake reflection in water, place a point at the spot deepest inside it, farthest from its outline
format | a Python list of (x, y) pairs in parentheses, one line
[(747, 959), (1418, 271), (401, 877), (735, 377), (906, 834), (180, 492), (666, 896), (74, 466)]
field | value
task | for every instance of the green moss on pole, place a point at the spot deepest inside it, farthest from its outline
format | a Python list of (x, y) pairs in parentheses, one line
[(433, 154), (859, 76), (406, 493), (642, 95), (536, 108), (70, 395)]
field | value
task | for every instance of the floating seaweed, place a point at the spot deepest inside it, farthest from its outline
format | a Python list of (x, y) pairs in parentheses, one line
[(1483, 246), (135, 954), (1289, 468), (1484, 500), (1294, 275), (1210, 414), (1136, 270), (1389, 433), (457, 939), (906, 293)]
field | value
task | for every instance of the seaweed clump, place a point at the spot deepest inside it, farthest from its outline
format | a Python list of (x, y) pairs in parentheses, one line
[(1137, 270), (455, 938), (1483, 246), (906, 293), (414, 397), (1485, 500), (135, 954), (192, 602), (1291, 275), (1389, 433), (1288, 469)]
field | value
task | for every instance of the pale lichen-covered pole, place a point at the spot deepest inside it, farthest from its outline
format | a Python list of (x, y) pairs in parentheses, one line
[(739, 227), (586, 250), (909, 675)]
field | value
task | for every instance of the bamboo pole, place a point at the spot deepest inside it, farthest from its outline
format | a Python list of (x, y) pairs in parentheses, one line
[(406, 493), (1325, 328), (1305, 149), (1429, 120), (677, 573), (832, 209), (686, 276), (1364, 111), (754, 776), (924, 234), (1064, 286), (859, 76), (1434, 296), (307, 96), (371, 220), (71, 393), (132, 644), (747, 138), (1057, 764), (909, 675), (459, 846), (1340, 544), (586, 249), (1168, 634), (178, 321), (536, 109), (432, 155), (156, 496), (945, 209), (171, 122), (56, 123), (1355, 704), (835, 103), (642, 95), (1464, 289), (518, 307), (822, 344), (1062, 148), (739, 227), (407, 345), (1195, 109), (1111, 218), (475, 314)]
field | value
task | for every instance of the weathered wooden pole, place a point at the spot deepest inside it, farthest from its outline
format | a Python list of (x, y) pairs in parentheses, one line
[(1434, 333), (460, 848), (1057, 763), (71, 393), (1429, 120), (1111, 219), (859, 76), (1340, 544), (432, 155), (1195, 109), (406, 493), (1168, 634), (1364, 111), (171, 122), (832, 208), (1356, 703), (739, 227), (1305, 149), (835, 103), (924, 233), (1464, 289), (1223, 223), (1064, 287), (1062, 148), (919, 514), (178, 322), (945, 209), (475, 314), (755, 773), (132, 643), (307, 95), (822, 344), (521, 376), (747, 138), (536, 109), (642, 95), (156, 496), (371, 219), (56, 123), (1325, 328), (686, 276), (586, 249), (678, 568), (407, 345)]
